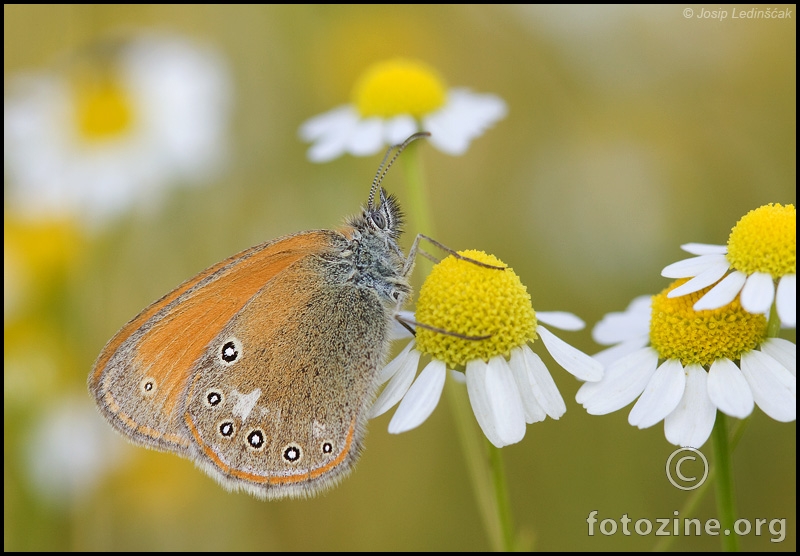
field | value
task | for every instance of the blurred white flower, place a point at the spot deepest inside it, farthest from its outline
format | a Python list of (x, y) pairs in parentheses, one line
[(391, 101), (114, 126), (69, 451)]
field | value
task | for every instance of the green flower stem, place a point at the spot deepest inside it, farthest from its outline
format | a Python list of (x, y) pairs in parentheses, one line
[(774, 323), (501, 496), (690, 507), (485, 470), (726, 505), (723, 462), (478, 465), (417, 196)]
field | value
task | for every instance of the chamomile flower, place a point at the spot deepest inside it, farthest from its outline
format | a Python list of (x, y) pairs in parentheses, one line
[(507, 383), (684, 364), (762, 256), (113, 125), (393, 100)]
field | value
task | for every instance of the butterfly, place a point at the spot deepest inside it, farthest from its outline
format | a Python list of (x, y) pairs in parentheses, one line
[(262, 368)]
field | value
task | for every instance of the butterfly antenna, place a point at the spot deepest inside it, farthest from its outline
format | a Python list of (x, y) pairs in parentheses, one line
[(383, 169)]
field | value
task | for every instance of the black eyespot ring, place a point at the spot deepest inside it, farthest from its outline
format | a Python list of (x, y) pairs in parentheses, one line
[(292, 453), (255, 439), (227, 428), (327, 447), (230, 352), (148, 386), (214, 398)]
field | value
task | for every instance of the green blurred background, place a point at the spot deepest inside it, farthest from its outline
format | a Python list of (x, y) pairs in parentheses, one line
[(631, 130)]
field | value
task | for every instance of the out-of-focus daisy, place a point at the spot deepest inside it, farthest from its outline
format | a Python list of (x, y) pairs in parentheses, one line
[(391, 101), (684, 364), (508, 384), (113, 125), (762, 256), (70, 451)]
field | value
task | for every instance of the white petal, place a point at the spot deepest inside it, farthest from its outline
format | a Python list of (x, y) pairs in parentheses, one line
[(786, 300), (421, 399), (400, 332), (458, 376), (504, 399), (560, 319), (406, 368), (465, 116), (783, 351), (623, 381), (572, 359), (544, 388), (609, 355), (774, 387), (328, 148), (709, 276), (330, 132), (395, 364), (479, 400), (758, 293), (695, 266), (328, 123), (704, 249), (661, 397), (398, 129), (524, 378), (728, 389), (693, 420), (408, 316), (621, 326), (723, 293), (367, 138)]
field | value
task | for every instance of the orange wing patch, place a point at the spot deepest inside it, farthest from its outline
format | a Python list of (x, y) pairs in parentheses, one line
[(177, 338)]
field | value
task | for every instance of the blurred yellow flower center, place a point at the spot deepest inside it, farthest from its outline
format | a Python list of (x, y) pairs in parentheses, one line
[(103, 109), (679, 332), (765, 240), (399, 87), (462, 297)]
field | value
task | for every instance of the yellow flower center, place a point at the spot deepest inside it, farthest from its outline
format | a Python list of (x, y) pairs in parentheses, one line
[(765, 240), (103, 109), (679, 332), (399, 87), (464, 298)]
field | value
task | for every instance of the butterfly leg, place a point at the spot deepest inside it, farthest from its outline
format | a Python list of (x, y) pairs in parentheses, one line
[(415, 250)]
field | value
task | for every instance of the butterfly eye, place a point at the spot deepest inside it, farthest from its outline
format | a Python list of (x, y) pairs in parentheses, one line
[(230, 352), (378, 220)]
